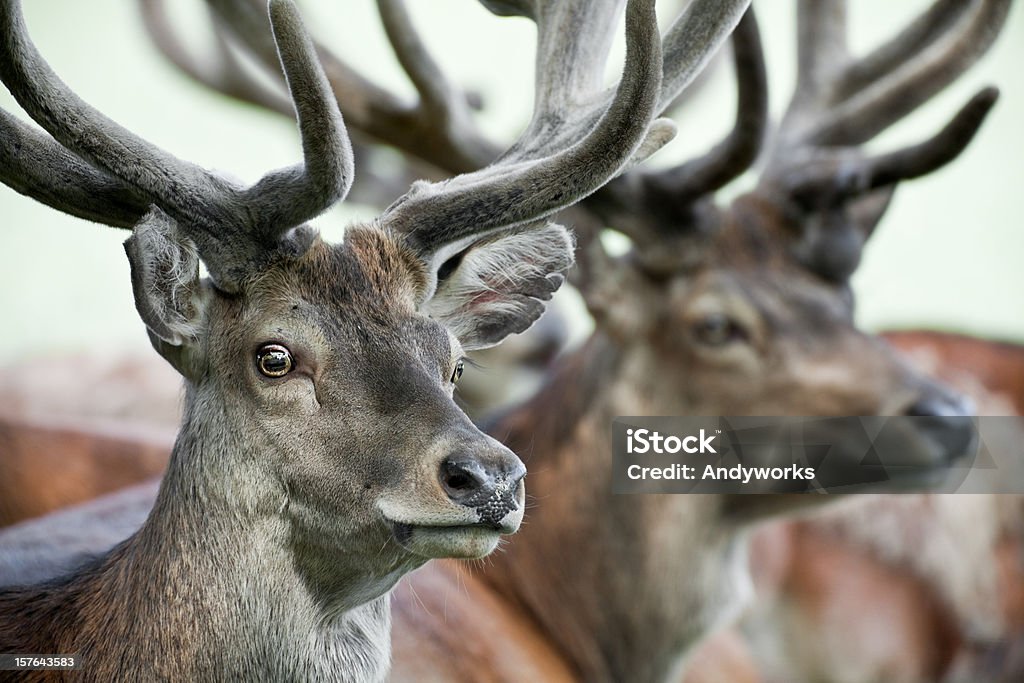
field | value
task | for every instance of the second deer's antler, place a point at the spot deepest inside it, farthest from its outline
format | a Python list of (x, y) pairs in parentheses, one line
[(841, 101)]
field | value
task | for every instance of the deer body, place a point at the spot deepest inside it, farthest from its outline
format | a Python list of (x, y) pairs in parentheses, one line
[(226, 605), (742, 310)]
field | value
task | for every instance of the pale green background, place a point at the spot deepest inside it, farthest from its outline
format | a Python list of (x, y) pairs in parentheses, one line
[(948, 254)]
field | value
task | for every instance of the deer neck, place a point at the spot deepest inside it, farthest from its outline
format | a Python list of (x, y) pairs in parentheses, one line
[(616, 581), (211, 577)]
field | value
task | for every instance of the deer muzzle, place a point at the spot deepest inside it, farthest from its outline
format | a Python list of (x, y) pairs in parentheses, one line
[(492, 486)]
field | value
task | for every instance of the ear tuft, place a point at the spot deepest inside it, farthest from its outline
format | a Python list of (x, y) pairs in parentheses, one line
[(498, 285), (165, 277)]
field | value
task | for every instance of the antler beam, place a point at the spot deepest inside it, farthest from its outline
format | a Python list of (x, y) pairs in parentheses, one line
[(525, 186), (37, 166)]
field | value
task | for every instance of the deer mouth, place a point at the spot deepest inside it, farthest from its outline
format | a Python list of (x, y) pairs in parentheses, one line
[(461, 541), (915, 453)]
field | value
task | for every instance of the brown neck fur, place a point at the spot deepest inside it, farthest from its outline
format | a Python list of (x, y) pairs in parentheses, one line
[(209, 577), (644, 617)]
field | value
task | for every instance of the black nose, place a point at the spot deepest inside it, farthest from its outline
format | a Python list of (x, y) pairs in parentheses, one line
[(487, 485), (945, 419)]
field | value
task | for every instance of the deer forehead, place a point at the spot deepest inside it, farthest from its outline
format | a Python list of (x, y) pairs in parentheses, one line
[(781, 299), (355, 299), (371, 275)]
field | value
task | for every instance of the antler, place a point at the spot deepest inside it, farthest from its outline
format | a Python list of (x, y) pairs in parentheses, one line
[(37, 166), (576, 33), (438, 128), (230, 226), (224, 72), (839, 103), (842, 102), (647, 204), (562, 156), (590, 143)]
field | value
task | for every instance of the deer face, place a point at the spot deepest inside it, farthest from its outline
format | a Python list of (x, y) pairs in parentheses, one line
[(328, 366), (751, 327)]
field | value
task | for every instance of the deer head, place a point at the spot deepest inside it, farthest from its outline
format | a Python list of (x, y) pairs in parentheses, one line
[(751, 303), (319, 416)]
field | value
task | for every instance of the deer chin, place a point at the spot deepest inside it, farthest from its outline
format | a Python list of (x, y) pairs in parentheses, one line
[(458, 532), (464, 542)]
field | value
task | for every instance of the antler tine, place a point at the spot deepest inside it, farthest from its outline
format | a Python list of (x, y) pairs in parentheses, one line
[(645, 205), (573, 41), (692, 41), (456, 147), (821, 43), (884, 102), (687, 47), (444, 103), (288, 197), (224, 73), (684, 184), (930, 25), (28, 159), (816, 189), (512, 191)]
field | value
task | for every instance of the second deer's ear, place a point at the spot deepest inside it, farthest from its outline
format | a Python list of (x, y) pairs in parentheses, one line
[(165, 282), (867, 211), (498, 286)]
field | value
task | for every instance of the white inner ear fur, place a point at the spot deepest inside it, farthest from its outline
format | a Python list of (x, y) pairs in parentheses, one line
[(165, 277), (501, 278)]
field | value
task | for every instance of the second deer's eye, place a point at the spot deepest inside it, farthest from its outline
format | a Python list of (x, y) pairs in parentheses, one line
[(274, 360), (717, 329), (457, 372)]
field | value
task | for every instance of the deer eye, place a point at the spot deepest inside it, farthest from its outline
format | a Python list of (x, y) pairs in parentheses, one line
[(274, 360), (717, 329), (457, 372)]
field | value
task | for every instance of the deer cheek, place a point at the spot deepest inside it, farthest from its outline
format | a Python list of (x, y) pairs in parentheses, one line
[(295, 394)]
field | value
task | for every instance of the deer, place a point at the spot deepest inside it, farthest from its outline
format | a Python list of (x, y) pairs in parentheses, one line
[(321, 455), (737, 310), (744, 309)]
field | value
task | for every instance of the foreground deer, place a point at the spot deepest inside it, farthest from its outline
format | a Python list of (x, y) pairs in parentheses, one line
[(321, 456)]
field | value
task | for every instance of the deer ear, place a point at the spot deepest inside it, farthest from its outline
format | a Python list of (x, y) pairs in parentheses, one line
[(165, 281), (497, 286), (867, 211)]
